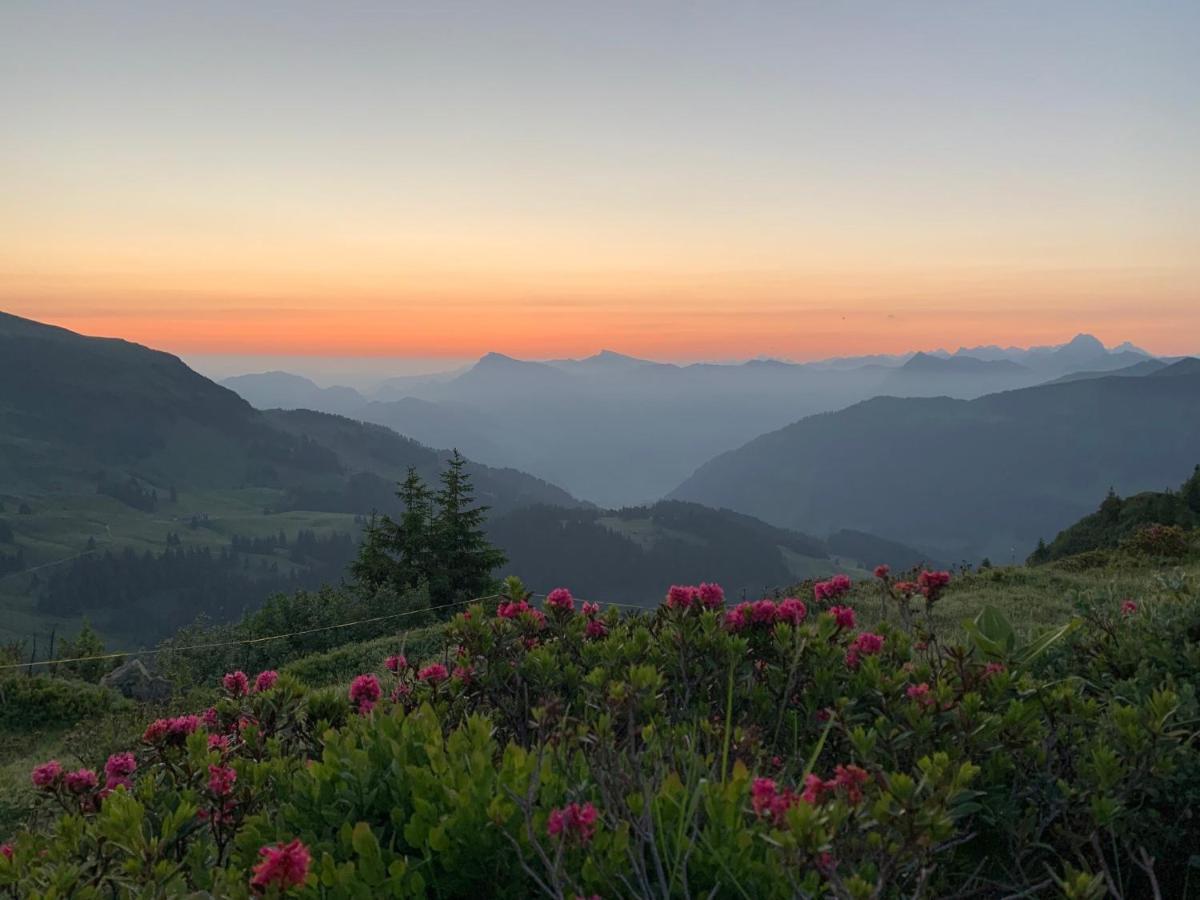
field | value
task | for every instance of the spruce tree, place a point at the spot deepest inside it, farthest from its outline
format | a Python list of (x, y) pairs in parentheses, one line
[(464, 557), (415, 530), (374, 567), (1191, 491)]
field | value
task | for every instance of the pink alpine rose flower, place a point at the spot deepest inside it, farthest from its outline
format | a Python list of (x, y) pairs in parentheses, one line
[(866, 644), (81, 781), (712, 596), (365, 692), (283, 866), (236, 684), (882, 571), (560, 600), (681, 596), (118, 769), (843, 616), (47, 775), (265, 681), (919, 693), (396, 664), (221, 780), (434, 674), (791, 610), (596, 629), (573, 821)]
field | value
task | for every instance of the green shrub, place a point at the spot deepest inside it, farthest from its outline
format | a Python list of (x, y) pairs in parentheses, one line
[(29, 703), (1158, 542), (770, 750)]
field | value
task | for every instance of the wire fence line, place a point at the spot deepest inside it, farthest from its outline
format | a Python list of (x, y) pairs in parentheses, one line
[(276, 637)]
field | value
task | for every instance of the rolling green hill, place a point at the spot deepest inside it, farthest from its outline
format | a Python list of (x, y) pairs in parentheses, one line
[(1120, 519)]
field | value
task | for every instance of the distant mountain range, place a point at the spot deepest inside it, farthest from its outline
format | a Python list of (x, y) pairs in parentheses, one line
[(966, 478), (618, 430), (73, 408), (98, 436)]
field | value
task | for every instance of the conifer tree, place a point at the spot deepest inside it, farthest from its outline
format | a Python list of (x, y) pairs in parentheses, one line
[(374, 567), (1191, 491), (415, 530), (438, 541), (465, 558)]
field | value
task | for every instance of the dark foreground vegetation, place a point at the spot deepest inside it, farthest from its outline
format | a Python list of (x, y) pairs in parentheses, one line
[(841, 744)]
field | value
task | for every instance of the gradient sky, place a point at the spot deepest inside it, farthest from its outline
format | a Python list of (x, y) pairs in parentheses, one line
[(678, 180)]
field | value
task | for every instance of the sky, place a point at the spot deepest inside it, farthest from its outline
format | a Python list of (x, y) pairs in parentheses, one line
[(431, 181)]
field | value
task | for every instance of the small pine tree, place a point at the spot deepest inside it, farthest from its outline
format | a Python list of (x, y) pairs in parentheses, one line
[(415, 530), (465, 558), (438, 542), (374, 566), (1190, 492), (1110, 509)]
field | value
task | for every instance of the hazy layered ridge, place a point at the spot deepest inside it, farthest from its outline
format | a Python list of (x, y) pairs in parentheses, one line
[(113, 448), (618, 430), (967, 478)]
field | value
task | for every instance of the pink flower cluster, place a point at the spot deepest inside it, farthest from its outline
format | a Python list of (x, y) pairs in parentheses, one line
[(283, 866), (865, 644), (703, 596), (882, 571), (47, 775), (560, 600), (434, 674), (173, 730), (835, 587), (221, 780), (365, 693), (843, 616), (768, 799), (82, 781), (766, 612), (396, 664), (920, 694), (265, 681), (514, 609), (595, 628), (573, 821), (236, 684), (1128, 607), (118, 769), (931, 584)]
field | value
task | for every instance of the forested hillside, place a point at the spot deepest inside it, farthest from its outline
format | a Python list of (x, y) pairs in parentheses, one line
[(965, 479)]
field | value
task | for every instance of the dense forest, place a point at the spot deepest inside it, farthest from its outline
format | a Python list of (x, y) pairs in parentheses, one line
[(163, 591)]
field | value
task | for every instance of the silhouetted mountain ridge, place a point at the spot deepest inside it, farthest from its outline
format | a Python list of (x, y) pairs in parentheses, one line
[(963, 478)]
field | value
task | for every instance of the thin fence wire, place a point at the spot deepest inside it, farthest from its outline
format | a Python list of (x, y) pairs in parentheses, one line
[(275, 637)]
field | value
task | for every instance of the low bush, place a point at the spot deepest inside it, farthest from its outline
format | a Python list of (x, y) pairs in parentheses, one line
[(771, 749), (29, 703)]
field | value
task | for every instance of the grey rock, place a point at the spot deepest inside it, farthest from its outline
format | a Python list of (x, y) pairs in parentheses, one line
[(134, 681)]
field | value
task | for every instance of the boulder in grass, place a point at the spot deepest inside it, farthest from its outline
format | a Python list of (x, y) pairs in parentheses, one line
[(133, 680)]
